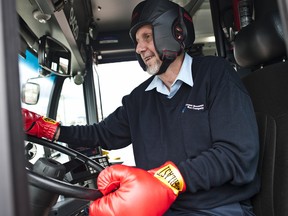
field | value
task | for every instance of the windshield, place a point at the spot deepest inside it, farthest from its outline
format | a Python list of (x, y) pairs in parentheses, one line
[(115, 80)]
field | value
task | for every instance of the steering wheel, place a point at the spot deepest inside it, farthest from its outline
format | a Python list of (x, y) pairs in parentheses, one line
[(61, 187)]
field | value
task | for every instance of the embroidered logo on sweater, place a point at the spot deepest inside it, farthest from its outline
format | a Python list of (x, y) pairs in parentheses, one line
[(194, 107)]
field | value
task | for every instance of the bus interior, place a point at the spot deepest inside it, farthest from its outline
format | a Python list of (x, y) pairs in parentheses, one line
[(73, 61)]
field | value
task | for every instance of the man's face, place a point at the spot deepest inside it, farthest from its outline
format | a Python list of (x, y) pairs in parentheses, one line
[(146, 49)]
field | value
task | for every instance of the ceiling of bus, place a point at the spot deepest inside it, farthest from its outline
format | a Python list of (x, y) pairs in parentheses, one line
[(71, 24), (116, 14)]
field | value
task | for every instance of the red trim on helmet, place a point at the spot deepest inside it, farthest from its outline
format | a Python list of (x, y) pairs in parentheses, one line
[(187, 16)]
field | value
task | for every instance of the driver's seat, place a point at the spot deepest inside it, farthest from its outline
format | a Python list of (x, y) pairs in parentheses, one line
[(260, 46)]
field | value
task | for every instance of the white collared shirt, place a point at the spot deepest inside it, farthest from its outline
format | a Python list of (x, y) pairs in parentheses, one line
[(185, 75)]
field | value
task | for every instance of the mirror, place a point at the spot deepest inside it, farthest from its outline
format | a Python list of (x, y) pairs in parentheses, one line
[(54, 57), (30, 93)]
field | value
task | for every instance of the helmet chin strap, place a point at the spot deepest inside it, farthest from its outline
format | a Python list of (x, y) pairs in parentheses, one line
[(165, 64)]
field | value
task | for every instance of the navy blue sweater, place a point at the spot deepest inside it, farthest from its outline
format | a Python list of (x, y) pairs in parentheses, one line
[(208, 130)]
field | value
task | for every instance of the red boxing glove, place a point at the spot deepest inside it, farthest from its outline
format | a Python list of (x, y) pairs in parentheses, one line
[(133, 191), (39, 126)]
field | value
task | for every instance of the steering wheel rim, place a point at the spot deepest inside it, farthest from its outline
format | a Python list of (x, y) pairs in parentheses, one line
[(61, 187)]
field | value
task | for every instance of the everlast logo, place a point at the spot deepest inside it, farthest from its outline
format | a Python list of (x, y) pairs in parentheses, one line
[(169, 176), (49, 120)]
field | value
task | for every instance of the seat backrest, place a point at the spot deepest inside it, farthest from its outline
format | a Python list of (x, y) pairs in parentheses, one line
[(268, 88), (263, 203), (261, 45)]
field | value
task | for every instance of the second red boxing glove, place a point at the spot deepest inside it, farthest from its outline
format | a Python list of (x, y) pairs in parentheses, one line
[(39, 126), (132, 191)]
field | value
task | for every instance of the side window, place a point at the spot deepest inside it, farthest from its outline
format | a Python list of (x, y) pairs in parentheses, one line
[(29, 72), (71, 109)]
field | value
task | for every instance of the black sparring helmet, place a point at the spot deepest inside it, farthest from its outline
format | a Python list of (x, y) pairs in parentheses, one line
[(173, 29)]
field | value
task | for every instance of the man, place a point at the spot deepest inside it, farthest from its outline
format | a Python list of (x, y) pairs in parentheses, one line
[(192, 127)]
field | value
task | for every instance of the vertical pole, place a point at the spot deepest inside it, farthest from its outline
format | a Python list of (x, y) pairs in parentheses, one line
[(13, 181)]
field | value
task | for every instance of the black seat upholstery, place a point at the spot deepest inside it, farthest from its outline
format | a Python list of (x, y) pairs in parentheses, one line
[(263, 201), (261, 45), (268, 88)]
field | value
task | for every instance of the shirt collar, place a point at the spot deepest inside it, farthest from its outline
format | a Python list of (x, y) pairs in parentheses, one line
[(185, 75)]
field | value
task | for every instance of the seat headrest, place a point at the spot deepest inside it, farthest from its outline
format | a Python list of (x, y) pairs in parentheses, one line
[(261, 42)]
